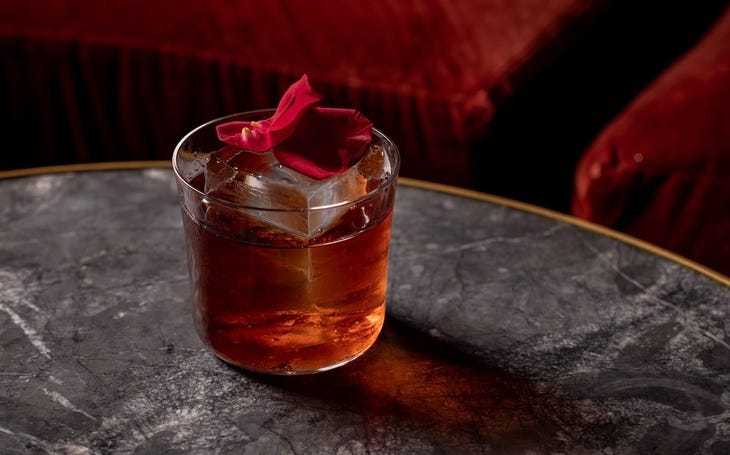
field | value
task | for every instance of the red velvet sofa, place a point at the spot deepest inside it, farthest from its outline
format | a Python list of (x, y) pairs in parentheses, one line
[(504, 97), (125, 79), (661, 169)]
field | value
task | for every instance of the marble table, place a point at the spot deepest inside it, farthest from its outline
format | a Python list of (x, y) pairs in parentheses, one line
[(510, 330)]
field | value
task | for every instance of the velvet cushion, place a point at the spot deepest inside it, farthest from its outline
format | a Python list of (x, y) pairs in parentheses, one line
[(125, 79), (661, 170)]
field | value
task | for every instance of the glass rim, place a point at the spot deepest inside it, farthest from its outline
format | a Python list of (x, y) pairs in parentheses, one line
[(387, 182)]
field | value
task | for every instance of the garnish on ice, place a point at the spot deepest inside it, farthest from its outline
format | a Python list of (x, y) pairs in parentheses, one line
[(318, 142)]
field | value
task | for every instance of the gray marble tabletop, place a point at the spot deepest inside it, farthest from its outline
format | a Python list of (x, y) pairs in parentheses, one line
[(508, 331)]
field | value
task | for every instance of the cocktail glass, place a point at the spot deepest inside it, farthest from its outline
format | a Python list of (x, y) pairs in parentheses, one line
[(288, 275)]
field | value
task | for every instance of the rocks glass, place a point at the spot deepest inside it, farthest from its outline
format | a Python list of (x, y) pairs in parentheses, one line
[(288, 274)]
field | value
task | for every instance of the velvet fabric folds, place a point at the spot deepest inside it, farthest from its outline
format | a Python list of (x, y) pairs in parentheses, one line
[(661, 170), (121, 80)]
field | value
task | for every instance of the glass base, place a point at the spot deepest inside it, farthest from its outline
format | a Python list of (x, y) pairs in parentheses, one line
[(283, 372)]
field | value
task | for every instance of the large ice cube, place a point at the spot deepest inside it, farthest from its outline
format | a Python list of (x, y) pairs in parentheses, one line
[(374, 165), (281, 197)]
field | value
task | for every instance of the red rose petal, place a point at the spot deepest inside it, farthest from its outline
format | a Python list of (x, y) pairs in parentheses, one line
[(266, 134), (317, 142), (297, 100), (327, 142)]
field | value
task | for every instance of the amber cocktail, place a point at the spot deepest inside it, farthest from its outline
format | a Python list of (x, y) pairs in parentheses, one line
[(288, 273)]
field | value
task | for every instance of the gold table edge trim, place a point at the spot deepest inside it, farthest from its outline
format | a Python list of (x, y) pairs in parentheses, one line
[(438, 187)]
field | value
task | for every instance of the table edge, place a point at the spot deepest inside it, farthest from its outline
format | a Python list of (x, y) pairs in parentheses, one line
[(414, 183)]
